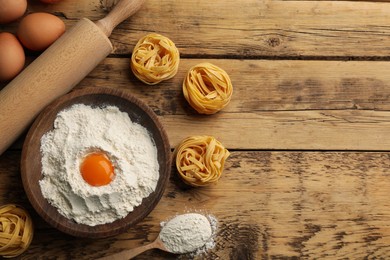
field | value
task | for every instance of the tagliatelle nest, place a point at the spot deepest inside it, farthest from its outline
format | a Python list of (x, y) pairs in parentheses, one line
[(155, 58), (16, 230), (200, 160), (207, 88)]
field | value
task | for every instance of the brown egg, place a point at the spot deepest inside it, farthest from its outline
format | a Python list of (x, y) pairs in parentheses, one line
[(12, 56), (37, 31), (10, 10)]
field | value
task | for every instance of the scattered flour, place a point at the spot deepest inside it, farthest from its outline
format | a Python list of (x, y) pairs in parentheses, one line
[(80, 130), (189, 233), (210, 244)]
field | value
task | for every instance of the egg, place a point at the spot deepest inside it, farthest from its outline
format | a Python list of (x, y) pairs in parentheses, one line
[(97, 169), (10, 10), (12, 56), (37, 31)]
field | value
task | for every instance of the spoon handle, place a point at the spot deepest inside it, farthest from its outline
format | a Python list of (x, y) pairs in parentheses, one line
[(128, 254), (122, 10)]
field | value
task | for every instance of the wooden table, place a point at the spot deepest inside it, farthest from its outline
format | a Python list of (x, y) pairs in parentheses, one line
[(308, 126)]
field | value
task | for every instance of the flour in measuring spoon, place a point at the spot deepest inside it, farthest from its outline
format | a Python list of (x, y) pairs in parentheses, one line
[(80, 130)]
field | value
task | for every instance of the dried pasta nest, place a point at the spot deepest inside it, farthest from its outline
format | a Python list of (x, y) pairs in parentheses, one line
[(155, 58), (207, 88), (200, 160), (16, 230)]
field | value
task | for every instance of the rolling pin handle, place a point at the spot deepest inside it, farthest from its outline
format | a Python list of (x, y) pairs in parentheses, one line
[(123, 10)]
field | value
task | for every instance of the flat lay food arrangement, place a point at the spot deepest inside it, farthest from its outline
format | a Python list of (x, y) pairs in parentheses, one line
[(193, 130)]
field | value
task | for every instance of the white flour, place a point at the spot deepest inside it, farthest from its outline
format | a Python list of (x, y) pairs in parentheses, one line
[(188, 233), (80, 130)]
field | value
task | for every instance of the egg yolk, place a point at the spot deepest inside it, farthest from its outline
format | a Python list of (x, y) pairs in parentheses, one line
[(97, 169)]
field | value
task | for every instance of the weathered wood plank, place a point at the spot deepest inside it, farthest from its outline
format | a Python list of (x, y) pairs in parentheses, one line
[(276, 104), (269, 205), (264, 85), (249, 28), (300, 130), (330, 105)]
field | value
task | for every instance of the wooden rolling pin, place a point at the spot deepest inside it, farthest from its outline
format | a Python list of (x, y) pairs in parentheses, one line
[(57, 70)]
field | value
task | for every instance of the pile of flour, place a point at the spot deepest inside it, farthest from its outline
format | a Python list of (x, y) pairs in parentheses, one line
[(80, 130), (189, 233)]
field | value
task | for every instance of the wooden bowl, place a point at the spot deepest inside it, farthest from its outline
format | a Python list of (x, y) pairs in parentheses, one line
[(31, 159)]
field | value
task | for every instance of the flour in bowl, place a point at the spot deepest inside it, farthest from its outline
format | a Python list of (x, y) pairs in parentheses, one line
[(122, 147)]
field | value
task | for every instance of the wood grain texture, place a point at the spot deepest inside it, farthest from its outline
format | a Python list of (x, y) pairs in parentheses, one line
[(264, 85), (241, 29), (336, 104), (316, 130), (269, 205), (307, 75), (327, 105), (121, 11)]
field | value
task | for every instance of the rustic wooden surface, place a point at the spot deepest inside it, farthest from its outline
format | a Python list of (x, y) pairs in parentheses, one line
[(307, 127)]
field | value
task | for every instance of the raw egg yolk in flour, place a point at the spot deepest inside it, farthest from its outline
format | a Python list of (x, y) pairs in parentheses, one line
[(97, 169)]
